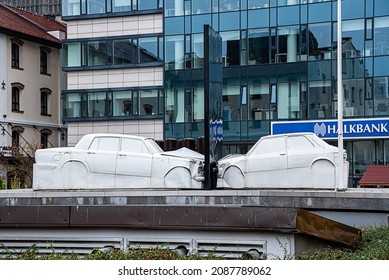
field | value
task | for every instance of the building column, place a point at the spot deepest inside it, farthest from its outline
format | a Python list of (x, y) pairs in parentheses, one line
[(291, 55), (292, 40)]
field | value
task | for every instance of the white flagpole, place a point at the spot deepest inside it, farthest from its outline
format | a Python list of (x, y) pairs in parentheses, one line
[(340, 99)]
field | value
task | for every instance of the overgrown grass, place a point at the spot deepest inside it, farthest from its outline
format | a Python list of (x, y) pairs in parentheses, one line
[(159, 253), (375, 246)]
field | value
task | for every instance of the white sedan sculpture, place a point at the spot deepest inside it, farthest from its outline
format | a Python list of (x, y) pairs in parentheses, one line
[(296, 160), (106, 161)]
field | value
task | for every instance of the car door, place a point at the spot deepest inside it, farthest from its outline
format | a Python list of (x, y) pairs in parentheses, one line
[(301, 152), (267, 163), (101, 155), (134, 159)]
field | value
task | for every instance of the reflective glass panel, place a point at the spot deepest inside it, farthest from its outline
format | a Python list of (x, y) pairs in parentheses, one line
[(201, 6), (72, 105), (96, 7), (97, 53), (258, 18), (122, 103), (381, 36), (121, 5), (97, 104), (319, 12), (148, 101), (229, 21), (125, 51), (288, 15), (258, 46), (147, 5), (72, 54), (381, 96), (229, 5), (148, 49), (174, 52), (71, 7), (381, 8)]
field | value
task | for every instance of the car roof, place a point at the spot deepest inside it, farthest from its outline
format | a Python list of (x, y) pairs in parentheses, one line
[(93, 135), (86, 139), (289, 134)]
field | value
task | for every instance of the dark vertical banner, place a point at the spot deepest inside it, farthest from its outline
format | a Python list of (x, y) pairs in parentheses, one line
[(213, 113)]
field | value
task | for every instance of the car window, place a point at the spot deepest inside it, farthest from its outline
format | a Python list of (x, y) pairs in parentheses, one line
[(271, 145), (299, 143), (105, 144), (133, 146)]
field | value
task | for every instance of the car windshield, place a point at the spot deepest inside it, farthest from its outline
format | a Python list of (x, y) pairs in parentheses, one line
[(319, 141), (153, 146)]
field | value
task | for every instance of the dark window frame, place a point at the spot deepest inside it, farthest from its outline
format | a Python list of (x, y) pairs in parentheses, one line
[(44, 60), (16, 45), (15, 138), (15, 98), (45, 93), (15, 56)]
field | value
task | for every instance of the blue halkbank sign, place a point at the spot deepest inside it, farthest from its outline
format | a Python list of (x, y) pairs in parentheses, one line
[(328, 129)]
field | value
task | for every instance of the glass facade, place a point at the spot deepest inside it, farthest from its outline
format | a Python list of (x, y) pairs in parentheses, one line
[(102, 7), (113, 104), (279, 62), (124, 52)]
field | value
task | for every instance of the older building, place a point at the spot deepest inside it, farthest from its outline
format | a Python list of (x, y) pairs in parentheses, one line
[(30, 86)]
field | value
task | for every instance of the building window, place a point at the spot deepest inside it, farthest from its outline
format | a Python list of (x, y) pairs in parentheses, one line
[(92, 7), (15, 138), (16, 131), (125, 103), (44, 60), (16, 89), (16, 45), (45, 134), (15, 55), (45, 93), (136, 50), (15, 99)]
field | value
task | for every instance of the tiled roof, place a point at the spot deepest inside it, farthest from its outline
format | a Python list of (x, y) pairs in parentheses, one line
[(15, 20), (375, 175)]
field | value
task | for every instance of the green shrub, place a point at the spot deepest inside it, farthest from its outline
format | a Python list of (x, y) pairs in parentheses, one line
[(375, 246), (2, 184)]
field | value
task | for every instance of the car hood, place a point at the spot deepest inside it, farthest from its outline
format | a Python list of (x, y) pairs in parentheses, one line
[(184, 153)]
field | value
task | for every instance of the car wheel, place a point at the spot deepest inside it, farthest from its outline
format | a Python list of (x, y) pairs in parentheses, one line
[(323, 175), (178, 178), (74, 175), (233, 177)]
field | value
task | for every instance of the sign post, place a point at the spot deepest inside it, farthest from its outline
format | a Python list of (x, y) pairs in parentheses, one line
[(213, 114), (340, 98)]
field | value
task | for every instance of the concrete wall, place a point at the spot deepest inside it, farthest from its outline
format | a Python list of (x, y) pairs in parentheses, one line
[(115, 26)]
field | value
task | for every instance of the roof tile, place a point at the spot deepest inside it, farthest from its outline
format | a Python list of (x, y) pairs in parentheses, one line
[(20, 21)]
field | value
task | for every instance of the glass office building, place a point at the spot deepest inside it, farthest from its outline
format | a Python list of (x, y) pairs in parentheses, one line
[(41, 7), (279, 65)]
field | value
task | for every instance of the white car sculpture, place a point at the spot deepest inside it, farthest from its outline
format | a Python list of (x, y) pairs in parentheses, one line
[(296, 160), (100, 161)]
